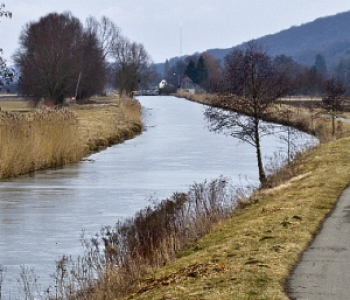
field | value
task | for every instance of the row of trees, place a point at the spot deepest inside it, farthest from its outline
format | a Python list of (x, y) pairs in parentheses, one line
[(207, 71), (59, 57), (202, 69)]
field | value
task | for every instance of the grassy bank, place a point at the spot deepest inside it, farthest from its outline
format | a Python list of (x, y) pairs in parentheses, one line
[(34, 139), (250, 255), (107, 121)]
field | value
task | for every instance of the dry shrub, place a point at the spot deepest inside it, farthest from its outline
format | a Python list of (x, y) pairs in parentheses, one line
[(43, 139), (117, 258)]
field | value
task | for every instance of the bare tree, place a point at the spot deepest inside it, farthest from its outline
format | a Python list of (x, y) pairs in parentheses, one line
[(107, 33), (132, 65), (53, 54), (252, 83), (333, 99)]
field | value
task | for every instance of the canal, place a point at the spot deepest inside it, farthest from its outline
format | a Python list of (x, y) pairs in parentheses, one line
[(42, 216)]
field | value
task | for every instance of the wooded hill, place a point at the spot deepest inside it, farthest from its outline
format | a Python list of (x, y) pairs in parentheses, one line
[(328, 36)]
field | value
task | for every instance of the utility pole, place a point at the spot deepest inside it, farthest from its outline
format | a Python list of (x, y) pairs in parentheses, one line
[(76, 90)]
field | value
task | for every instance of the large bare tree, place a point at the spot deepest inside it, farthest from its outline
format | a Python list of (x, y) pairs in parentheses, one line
[(252, 82), (55, 54)]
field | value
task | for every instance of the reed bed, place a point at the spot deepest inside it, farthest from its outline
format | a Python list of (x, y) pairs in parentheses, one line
[(32, 140), (107, 122), (39, 140)]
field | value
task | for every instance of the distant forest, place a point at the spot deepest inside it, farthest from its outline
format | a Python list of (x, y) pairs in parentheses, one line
[(328, 37)]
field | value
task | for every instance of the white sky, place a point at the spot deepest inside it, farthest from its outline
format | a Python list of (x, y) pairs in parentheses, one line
[(157, 23)]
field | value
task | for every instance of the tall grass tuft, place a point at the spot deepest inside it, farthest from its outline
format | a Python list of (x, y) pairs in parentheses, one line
[(34, 141)]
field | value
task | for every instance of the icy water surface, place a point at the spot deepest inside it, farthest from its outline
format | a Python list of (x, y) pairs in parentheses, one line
[(42, 216)]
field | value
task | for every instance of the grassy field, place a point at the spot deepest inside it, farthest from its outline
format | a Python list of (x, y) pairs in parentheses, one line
[(250, 255)]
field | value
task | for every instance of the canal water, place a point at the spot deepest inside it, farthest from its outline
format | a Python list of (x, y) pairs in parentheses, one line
[(42, 216)]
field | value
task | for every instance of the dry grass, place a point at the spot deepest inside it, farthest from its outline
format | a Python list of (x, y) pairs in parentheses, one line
[(108, 121), (43, 139), (34, 139), (250, 255), (14, 104)]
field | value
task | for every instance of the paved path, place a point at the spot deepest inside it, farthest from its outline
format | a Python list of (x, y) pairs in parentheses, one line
[(324, 270)]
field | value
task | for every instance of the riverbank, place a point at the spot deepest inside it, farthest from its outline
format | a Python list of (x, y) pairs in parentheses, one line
[(250, 255), (34, 139)]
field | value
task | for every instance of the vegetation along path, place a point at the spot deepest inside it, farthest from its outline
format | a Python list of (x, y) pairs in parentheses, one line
[(322, 273), (251, 255)]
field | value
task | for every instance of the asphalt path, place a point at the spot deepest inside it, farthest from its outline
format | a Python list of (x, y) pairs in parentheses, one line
[(323, 273)]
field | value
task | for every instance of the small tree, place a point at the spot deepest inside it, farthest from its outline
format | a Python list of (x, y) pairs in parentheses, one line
[(320, 65), (252, 84), (202, 70), (191, 70), (333, 99)]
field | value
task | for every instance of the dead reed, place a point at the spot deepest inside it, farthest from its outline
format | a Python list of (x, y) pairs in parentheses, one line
[(43, 139), (49, 138), (107, 122)]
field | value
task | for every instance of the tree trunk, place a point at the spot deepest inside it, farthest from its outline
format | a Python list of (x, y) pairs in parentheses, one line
[(262, 176)]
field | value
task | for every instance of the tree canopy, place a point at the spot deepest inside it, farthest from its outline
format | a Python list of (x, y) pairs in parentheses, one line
[(54, 53)]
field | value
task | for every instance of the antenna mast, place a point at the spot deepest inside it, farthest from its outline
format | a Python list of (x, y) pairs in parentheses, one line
[(180, 39)]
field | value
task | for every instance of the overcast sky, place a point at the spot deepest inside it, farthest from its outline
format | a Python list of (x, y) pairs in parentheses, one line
[(170, 28)]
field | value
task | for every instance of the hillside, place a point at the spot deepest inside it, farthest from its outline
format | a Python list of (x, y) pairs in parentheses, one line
[(328, 36)]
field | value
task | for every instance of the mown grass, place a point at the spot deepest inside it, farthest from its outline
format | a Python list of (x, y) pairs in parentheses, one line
[(33, 139), (250, 255)]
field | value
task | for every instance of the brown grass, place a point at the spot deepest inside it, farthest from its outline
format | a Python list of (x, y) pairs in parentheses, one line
[(250, 255), (45, 138), (108, 121)]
